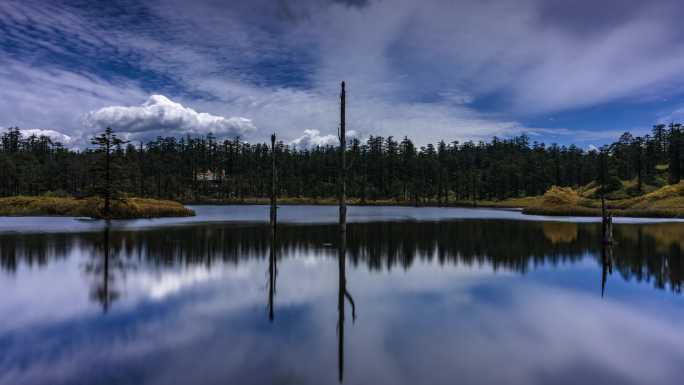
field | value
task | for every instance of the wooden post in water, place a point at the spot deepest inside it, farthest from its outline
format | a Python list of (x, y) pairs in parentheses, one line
[(274, 176), (606, 223), (603, 216)]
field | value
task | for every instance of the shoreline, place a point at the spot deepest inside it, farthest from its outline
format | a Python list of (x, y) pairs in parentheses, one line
[(553, 203), (139, 208), (515, 203), (91, 207)]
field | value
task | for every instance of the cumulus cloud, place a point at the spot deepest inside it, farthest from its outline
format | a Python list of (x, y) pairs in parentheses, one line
[(54, 98), (160, 114), (312, 138), (430, 70), (55, 136)]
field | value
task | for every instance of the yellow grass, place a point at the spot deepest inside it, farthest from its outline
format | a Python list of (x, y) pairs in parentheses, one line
[(560, 232), (666, 201), (91, 207), (508, 202)]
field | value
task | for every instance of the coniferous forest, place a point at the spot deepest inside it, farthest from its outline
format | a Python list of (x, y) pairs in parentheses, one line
[(195, 169)]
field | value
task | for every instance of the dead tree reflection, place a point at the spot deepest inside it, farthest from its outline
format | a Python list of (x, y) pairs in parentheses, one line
[(342, 294), (342, 251), (272, 263), (607, 265), (272, 275)]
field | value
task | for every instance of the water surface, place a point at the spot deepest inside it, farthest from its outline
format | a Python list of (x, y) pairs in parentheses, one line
[(440, 296)]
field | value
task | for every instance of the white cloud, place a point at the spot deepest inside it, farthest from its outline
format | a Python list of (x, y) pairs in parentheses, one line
[(377, 103), (395, 55), (56, 136), (312, 138), (54, 99), (159, 114)]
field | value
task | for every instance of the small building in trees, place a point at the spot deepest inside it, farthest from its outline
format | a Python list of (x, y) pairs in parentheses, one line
[(211, 176)]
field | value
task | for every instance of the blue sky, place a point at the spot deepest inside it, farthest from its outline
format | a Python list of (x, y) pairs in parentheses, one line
[(433, 69)]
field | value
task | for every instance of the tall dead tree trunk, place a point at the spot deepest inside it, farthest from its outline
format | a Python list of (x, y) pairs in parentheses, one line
[(342, 250), (108, 180), (343, 164), (606, 218), (272, 269), (141, 167), (274, 177), (606, 223)]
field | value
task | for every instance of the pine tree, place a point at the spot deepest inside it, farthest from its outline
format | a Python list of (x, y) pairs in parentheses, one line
[(105, 170)]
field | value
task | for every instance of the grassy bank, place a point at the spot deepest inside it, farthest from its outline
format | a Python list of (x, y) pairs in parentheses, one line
[(507, 203), (128, 208), (664, 202)]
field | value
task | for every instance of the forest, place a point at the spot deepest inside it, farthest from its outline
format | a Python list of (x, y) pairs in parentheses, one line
[(206, 169)]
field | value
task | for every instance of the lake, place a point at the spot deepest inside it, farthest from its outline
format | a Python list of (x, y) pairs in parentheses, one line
[(417, 296)]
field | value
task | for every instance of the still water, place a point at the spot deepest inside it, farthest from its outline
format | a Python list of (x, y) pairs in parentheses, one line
[(417, 296)]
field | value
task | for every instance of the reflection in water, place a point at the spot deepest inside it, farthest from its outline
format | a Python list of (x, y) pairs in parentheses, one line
[(647, 252), (342, 293), (33, 249), (195, 304), (606, 265), (560, 232), (104, 291), (272, 273)]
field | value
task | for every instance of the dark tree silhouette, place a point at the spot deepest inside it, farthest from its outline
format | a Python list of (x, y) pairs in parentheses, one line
[(105, 170), (207, 169)]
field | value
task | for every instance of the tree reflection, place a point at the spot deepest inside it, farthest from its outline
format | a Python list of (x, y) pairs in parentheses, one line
[(606, 265), (104, 290), (272, 274), (342, 294), (32, 249), (560, 232), (647, 252)]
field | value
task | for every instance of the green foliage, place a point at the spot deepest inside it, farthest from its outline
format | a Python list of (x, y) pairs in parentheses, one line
[(106, 168), (56, 194), (613, 184), (205, 169)]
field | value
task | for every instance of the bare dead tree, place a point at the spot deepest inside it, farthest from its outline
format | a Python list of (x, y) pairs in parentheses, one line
[(343, 163), (274, 176)]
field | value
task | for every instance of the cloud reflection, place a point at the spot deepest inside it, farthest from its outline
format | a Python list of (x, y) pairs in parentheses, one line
[(439, 302)]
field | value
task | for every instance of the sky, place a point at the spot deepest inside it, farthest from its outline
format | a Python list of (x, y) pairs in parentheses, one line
[(569, 72)]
